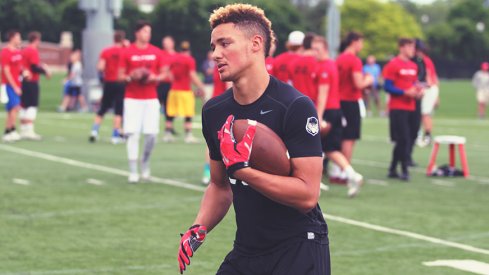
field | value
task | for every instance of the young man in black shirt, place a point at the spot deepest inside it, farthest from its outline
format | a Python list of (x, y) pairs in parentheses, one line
[(280, 227)]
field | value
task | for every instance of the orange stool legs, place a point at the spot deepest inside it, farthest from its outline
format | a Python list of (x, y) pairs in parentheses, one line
[(463, 160), (432, 162), (451, 148)]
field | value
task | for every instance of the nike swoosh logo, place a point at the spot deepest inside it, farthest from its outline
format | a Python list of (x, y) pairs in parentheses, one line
[(265, 112)]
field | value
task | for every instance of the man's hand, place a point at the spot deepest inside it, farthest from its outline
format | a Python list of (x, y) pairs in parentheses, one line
[(235, 155), (191, 240), (17, 90), (411, 92)]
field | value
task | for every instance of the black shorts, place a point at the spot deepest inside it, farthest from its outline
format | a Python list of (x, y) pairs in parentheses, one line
[(332, 141), (74, 91), (163, 90), (401, 125), (30, 94), (113, 97), (304, 257), (351, 113)]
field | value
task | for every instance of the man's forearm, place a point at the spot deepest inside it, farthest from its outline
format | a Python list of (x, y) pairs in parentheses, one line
[(214, 206), (292, 191), (321, 100), (10, 79)]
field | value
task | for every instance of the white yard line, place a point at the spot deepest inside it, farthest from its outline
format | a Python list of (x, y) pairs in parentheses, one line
[(93, 271), (472, 266), (95, 182), (377, 182), (21, 181), (201, 189), (444, 183)]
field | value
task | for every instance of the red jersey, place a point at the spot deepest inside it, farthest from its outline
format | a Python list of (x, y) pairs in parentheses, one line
[(167, 61), (133, 58), (181, 67), (111, 56), (281, 65), (430, 69), (269, 64), (304, 70), (219, 85), (30, 56), (348, 64), (327, 73), (404, 74), (13, 59)]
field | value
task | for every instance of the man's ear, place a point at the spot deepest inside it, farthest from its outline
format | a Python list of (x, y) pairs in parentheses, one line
[(257, 43)]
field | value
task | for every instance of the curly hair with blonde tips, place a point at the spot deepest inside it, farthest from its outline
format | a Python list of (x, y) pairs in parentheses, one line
[(248, 18)]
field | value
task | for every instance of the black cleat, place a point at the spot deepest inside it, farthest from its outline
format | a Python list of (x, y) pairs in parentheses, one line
[(92, 139), (411, 163), (393, 175), (404, 177)]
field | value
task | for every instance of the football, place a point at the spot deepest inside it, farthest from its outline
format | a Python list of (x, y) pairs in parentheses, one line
[(269, 153), (140, 74), (325, 128)]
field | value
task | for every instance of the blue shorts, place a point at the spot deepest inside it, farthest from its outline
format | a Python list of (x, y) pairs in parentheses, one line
[(66, 88), (13, 98)]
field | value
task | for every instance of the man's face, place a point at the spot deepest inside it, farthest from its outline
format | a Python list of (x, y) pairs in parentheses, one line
[(168, 43), (359, 45), (408, 50), (371, 59), (232, 50), (144, 34), (16, 40), (318, 49)]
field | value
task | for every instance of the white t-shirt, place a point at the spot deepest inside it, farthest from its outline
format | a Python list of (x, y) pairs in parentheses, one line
[(481, 80), (76, 72)]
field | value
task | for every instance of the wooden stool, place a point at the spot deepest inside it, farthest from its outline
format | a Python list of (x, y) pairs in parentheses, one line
[(451, 141)]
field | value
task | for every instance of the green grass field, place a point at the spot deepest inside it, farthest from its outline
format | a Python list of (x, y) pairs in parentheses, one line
[(66, 206)]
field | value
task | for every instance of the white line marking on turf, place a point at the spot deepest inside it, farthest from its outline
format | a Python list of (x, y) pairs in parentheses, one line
[(97, 167), (201, 189), (407, 234), (59, 139), (377, 182), (21, 181), (95, 182), (465, 265), (443, 183), (92, 271)]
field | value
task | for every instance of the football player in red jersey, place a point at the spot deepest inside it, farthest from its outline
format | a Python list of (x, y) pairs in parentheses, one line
[(181, 99), (281, 62), (270, 59), (30, 86), (352, 82), (328, 106), (11, 88), (400, 76), (142, 68), (303, 69), (113, 96)]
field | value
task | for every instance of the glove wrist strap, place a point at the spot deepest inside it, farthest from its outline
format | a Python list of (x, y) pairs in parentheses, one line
[(237, 166)]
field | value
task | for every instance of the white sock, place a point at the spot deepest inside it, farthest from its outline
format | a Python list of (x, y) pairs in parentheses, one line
[(132, 146), (133, 166), (349, 171), (149, 144)]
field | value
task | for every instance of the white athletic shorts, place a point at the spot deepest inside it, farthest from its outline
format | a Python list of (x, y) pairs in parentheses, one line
[(429, 100), (483, 96), (141, 116)]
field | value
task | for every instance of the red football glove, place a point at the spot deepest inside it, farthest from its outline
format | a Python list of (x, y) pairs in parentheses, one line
[(235, 155), (189, 243)]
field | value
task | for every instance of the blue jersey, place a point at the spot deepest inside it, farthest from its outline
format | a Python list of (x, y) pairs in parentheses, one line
[(373, 70)]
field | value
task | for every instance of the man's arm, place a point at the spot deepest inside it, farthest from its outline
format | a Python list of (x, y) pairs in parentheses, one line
[(10, 80), (196, 80), (300, 190), (101, 65), (323, 92), (217, 198), (362, 81)]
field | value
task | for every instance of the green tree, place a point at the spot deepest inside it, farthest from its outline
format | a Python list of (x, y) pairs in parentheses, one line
[(381, 23)]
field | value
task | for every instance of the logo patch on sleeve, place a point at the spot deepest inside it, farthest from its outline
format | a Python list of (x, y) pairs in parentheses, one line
[(312, 126)]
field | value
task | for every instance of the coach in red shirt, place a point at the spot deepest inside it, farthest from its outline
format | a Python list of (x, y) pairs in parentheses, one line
[(281, 62), (400, 76), (113, 96), (352, 82)]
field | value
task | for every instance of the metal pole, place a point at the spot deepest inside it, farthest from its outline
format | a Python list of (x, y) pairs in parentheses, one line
[(333, 28)]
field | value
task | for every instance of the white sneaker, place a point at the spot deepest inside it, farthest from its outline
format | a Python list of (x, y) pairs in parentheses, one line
[(7, 138), (30, 136), (323, 187), (133, 178), (189, 138), (355, 182), (14, 136), (168, 137), (116, 140), (146, 174)]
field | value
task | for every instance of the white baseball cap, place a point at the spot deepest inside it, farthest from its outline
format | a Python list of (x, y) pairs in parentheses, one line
[(296, 38)]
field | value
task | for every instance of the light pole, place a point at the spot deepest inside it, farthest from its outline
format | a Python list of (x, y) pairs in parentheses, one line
[(333, 28), (97, 35)]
